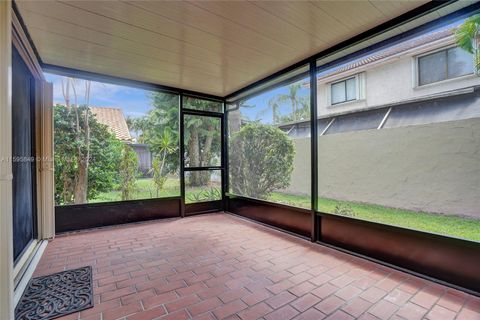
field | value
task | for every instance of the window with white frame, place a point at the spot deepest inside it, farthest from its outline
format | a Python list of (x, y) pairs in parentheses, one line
[(344, 90), (348, 89), (444, 64)]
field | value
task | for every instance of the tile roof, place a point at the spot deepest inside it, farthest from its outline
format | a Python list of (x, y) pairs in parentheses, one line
[(391, 51), (114, 119)]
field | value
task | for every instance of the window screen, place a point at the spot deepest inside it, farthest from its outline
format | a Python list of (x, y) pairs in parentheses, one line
[(131, 138), (419, 170), (270, 145)]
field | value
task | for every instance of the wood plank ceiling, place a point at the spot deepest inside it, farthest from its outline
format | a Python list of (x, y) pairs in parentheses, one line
[(215, 47)]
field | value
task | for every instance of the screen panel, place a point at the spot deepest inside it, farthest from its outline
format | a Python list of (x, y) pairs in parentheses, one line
[(114, 142), (269, 144), (203, 144), (405, 151)]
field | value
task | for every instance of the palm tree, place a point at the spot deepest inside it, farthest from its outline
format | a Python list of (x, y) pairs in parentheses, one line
[(273, 103), (291, 97), (467, 36), (304, 111)]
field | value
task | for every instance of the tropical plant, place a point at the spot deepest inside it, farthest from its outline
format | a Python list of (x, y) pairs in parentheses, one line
[(160, 129), (166, 146), (205, 195), (195, 197), (128, 172), (302, 113), (261, 160), (298, 102), (213, 194), (467, 36), (159, 178), (293, 98)]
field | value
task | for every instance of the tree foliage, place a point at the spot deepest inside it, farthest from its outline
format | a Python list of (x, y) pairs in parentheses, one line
[(261, 160), (127, 172), (104, 150), (202, 141), (299, 104), (82, 134), (202, 137), (294, 99), (160, 130), (467, 36), (86, 152)]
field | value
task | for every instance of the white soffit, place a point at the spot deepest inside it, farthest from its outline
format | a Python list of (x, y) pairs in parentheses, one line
[(214, 47)]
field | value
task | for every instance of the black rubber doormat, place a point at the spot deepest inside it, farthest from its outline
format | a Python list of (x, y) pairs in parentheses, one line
[(56, 295)]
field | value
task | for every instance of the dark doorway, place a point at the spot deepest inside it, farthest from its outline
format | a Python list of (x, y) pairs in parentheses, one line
[(23, 151)]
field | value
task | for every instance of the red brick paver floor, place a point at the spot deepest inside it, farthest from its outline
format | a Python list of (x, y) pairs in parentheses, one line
[(221, 267)]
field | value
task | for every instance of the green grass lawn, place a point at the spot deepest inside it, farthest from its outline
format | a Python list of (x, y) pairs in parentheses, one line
[(145, 189), (454, 226), (460, 227)]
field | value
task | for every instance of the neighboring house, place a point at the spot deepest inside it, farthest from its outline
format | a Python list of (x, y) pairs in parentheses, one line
[(421, 87), (144, 158), (115, 120), (423, 80), (415, 69)]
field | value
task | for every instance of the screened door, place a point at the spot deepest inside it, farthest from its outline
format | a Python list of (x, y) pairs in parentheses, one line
[(203, 169)]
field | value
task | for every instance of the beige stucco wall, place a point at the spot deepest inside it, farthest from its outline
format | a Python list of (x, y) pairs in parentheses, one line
[(388, 83), (434, 168), (301, 174)]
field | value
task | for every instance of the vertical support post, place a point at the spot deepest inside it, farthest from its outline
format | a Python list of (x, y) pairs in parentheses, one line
[(225, 173), (314, 151), (47, 179), (182, 158), (6, 177)]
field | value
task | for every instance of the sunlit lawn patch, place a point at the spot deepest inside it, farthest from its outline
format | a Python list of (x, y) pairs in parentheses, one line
[(455, 226)]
